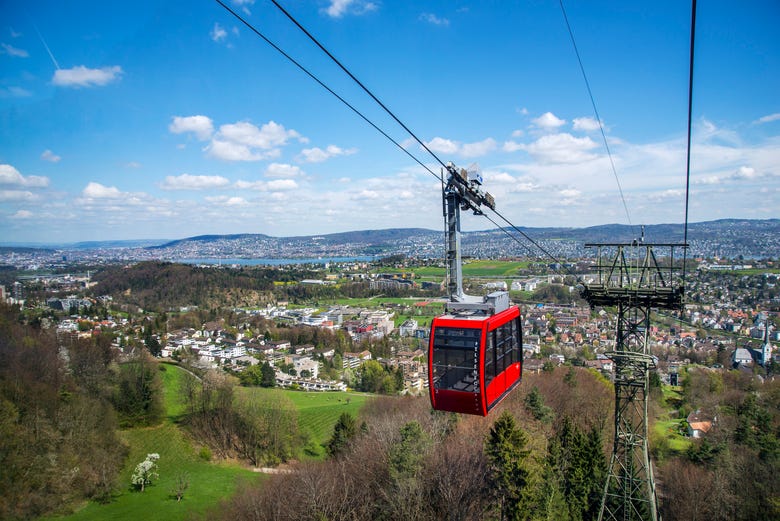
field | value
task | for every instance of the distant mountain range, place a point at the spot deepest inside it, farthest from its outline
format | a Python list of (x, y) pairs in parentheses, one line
[(727, 238)]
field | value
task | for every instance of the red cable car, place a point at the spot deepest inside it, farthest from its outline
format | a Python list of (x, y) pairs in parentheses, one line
[(474, 360)]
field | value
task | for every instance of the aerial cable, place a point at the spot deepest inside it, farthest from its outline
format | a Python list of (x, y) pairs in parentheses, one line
[(367, 91), (529, 239), (596, 112), (324, 86), (688, 163), (371, 123)]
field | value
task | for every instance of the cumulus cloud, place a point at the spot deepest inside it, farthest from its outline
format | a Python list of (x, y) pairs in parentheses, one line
[(443, 146), (81, 76), (11, 176), (225, 200), (339, 8), (244, 141), (275, 185), (95, 190), (585, 124), (283, 170), (570, 193), (194, 182), (548, 121), (50, 156), (448, 146), (201, 126), (13, 51), (479, 148), (318, 155), (561, 148), (16, 196), (433, 19), (278, 185)]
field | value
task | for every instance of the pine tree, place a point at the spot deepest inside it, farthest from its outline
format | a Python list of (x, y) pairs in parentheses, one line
[(505, 448), (344, 430)]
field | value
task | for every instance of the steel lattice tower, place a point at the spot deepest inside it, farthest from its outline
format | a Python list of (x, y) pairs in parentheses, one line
[(634, 286)]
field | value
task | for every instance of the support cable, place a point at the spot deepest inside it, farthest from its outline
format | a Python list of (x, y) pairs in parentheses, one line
[(596, 112), (324, 86), (367, 91), (373, 125), (688, 163)]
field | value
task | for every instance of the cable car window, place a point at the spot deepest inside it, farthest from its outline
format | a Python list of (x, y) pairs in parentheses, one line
[(455, 356), (490, 357)]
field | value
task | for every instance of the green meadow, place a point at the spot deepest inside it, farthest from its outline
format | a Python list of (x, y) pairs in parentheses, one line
[(209, 481)]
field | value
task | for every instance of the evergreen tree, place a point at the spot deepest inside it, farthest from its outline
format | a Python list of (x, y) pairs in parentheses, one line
[(507, 454), (534, 403), (268, 375), (344, 430), (406, 456)]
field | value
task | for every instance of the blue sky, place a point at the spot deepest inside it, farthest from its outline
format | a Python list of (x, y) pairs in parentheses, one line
[(168, 119)]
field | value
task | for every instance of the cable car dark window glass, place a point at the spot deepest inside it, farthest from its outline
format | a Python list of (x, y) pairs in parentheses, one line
[(490, 357), (455, 357)]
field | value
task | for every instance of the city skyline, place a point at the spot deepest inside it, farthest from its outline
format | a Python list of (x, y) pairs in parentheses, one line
[(171, 120)]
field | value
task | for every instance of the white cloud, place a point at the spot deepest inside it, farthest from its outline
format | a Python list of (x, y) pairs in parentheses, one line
[(448, 146), (225, 200), (548, 121), (512, 146), (518, 133), (318, 155), (768, 118), (218, 33), (16, 195), (81, 76), (194, 182), (561, 148), (282, 184), (201, 126), (244, 141), (283, 170), (13, 51), (339, 8), (95, 190), (229, 151), (570, 193), (50, 156), (244, 5), (501, 177), (366, 194), (745, 172), (11, 176), (479, 148), (22, 214), (585, 124), (433, 19), (443, 146)]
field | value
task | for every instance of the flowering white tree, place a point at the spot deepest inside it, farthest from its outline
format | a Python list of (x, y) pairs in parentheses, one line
[(145, 471)]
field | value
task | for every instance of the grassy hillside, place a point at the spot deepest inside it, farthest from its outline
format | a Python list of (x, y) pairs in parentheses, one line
[(209, 482)]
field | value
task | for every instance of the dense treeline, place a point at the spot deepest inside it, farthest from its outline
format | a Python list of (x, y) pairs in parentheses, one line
[(400, 460), (161, 286), (58, 442), (731, 473)]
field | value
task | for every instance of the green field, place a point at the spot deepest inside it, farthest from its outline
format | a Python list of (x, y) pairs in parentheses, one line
[(209, 482)]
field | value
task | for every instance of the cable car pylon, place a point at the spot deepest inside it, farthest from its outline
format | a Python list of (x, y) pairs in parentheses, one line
[(475, 350), (634, 284)]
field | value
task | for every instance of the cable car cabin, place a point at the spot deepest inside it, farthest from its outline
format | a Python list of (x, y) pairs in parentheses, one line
[(474, 361)]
